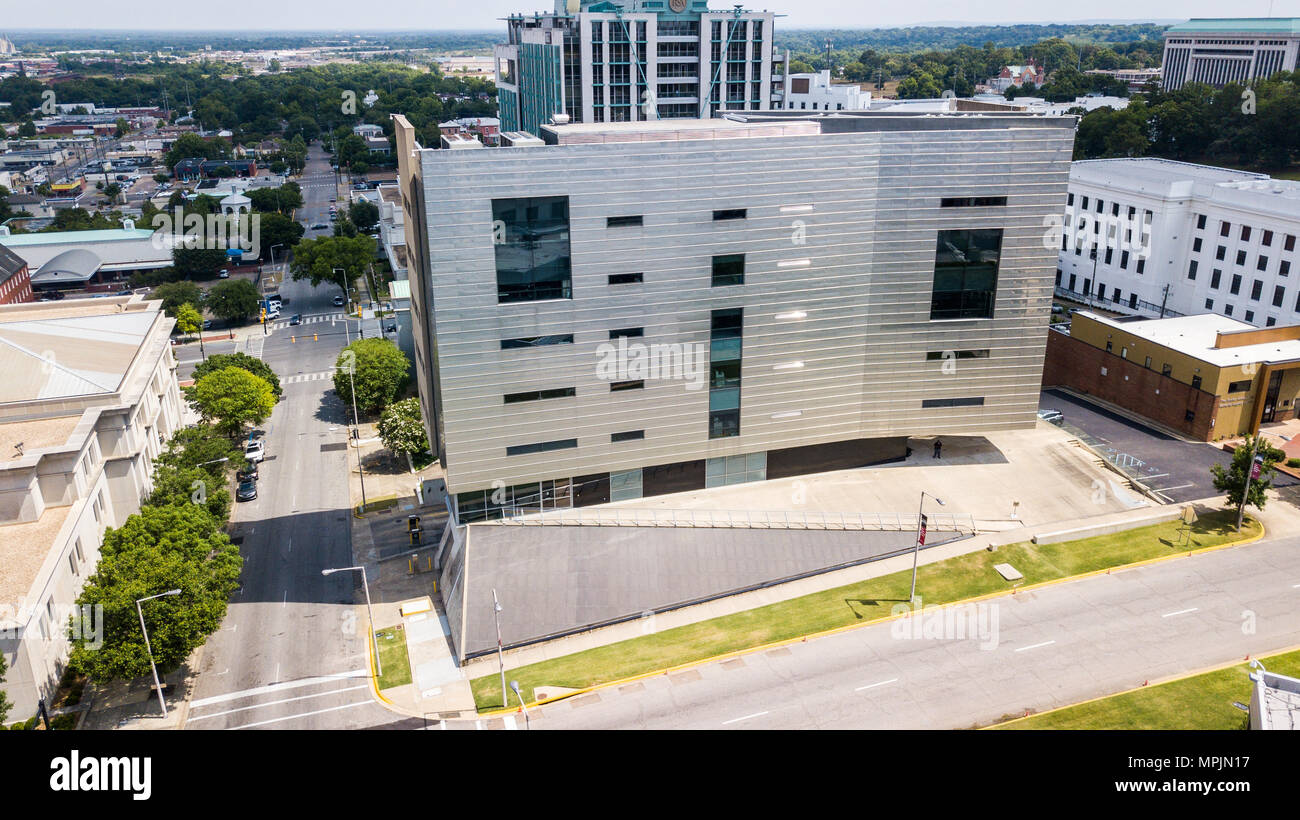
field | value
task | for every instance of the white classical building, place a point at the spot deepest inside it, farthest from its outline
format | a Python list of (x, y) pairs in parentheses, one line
[(88, 400), (1148, 234), (816, 92), (1230, 50)]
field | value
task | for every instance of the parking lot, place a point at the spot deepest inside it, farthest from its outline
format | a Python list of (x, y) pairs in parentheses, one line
[(1177, 469)]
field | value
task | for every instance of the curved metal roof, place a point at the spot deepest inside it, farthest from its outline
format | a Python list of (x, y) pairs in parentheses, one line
[(74, 265)]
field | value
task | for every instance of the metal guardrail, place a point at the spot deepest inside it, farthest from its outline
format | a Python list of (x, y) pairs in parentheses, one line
[(736, 519), (1134, 469)]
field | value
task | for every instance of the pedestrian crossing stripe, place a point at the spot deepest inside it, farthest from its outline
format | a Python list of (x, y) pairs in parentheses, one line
[(308, 320), (307, 377)]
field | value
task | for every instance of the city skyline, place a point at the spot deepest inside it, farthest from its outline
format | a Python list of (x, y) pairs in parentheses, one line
[(301, 15)]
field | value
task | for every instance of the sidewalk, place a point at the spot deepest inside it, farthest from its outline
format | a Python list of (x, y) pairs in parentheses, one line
[(400, 574)]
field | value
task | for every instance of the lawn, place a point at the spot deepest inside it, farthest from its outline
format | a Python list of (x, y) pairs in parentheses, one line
[(393, 657), (954, 579), (1199, 702)]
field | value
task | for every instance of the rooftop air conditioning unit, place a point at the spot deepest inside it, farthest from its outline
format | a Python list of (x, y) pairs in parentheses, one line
[(560, 119)]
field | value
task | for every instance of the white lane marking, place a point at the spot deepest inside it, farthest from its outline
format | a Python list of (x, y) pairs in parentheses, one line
[(1176, 487), (276, 687), (276, 702), (510, 722), (1295, 586), (1179, 612), (285, 602), (746, 717), (1035, 646), (478, 724), (303, 715), (874, 685)]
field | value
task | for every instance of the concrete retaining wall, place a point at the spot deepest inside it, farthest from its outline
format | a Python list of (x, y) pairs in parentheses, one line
[(1057, 536)]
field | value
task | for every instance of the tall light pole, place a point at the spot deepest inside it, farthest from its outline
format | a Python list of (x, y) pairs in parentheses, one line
[(514, 684), (916, 548), (370, 613), (501, 661), (149, 648)]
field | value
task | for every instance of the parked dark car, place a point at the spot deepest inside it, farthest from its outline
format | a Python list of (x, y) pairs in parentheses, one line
[(247, 490), (391, 327), (249, 473)]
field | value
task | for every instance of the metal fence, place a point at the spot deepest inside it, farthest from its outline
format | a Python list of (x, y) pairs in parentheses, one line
[(737, 519)]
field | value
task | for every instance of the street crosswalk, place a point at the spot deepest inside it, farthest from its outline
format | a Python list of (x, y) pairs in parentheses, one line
[(307, 377), (308, 320)]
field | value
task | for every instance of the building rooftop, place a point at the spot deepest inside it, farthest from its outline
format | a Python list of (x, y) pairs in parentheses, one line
[(1198, 335), (46, 357), (34, 434), (24, 547), (26, 240), (1162, 171), (117, 249), (1252, 25)]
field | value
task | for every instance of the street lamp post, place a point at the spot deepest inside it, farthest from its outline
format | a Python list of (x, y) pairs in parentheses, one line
[(370, 613), (149, 648), (501, 661), (514, 684), (916, 548)]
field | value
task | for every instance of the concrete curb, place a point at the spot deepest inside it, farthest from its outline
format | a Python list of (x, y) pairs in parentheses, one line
[(886, 619), (1147, 685)]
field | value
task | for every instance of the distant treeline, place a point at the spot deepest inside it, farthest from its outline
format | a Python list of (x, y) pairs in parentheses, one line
[(931, 38), (189, 42)]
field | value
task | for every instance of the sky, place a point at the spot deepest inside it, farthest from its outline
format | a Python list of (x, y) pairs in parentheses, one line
[(276, 15)]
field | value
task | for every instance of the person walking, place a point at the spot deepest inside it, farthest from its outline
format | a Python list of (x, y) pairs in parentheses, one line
[(938, 445)]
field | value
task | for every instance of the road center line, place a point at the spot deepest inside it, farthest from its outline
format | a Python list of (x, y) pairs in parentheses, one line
[(874, 685), (746, 717), (1035, 646), (1179, 612), (277, 702)]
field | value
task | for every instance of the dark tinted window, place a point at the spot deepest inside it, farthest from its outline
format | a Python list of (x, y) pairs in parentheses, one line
[(965, 274)]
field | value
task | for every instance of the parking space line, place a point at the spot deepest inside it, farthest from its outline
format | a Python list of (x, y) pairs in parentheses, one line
[(1035, 646)]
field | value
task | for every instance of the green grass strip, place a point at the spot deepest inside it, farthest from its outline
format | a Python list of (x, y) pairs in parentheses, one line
[(1200, 702)]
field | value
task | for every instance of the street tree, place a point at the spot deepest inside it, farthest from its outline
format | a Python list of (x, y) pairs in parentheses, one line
[(278, 229), (230, 398), (188, 319), (364, 214), (201, 445), (233, 300), (200, 262), (1231, 480), (155, 550), (401, 428), (175, 294), (5, 705), (173, 486), (254, 365), (318, 259), (377, 367)]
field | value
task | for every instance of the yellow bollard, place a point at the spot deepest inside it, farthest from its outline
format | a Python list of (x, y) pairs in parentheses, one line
[(430, 564), (293, 340), (315, 337)]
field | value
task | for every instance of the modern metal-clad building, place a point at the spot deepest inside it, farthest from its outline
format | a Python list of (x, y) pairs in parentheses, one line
[(633, 61), (644, 308)]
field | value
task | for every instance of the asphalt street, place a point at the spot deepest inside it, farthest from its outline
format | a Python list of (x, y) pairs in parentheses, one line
[(1178, 469), (291, 653), (1033, 651)]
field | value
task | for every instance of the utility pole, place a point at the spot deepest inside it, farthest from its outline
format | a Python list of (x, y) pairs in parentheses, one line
[(501, 661)]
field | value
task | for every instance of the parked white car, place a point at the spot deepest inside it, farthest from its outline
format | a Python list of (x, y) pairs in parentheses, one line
[(255, 451)]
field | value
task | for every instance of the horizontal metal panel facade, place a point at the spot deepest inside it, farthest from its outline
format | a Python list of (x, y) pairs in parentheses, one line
[(839, 243)]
